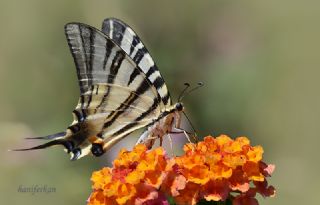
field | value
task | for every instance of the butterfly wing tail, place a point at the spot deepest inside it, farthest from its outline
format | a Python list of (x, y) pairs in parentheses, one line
[(43, 146), (48, 137), (56, 139)]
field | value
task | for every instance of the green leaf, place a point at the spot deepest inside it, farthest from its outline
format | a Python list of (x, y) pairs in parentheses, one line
[(171, 201)]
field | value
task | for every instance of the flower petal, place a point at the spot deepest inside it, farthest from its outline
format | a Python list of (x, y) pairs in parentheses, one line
[(217, 190)]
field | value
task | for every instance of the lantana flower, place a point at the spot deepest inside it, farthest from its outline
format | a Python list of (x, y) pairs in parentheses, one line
[(215, 169), (134, 178)]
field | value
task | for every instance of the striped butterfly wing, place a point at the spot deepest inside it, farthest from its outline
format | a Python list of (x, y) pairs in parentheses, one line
[(117, 96), (128, 40)]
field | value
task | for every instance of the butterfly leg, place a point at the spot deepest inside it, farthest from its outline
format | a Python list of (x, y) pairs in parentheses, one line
[(143, 137), (180, 131), (177, 127), (160, 141), (146, 139), (171, 145)]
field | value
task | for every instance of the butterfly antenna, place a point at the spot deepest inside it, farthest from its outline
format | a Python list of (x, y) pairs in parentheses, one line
[(199, 85), (195, 137), (187, 85)]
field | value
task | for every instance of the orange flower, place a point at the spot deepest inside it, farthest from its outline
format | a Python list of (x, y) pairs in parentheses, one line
[(254, 154), (216, 190), (215, 169), (239, 181), (190, 195), (134, 178)]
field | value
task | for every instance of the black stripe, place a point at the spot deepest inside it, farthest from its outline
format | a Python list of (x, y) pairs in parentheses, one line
[(165, 98), (97, 90), (158, 82), (139, 55), (125, 128), (109, 46), (74, 128), (78, 115), (116, 113), (116, 63), (133, 75), (153, 107), (90, 96), (118, 32), (82, 100), (151, 71), (135, 42), (158, 79), (92, 52), (100, 135), (143, 87), (84, 113)]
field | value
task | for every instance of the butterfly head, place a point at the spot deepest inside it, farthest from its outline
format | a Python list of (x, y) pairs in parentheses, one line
[(179, 106)]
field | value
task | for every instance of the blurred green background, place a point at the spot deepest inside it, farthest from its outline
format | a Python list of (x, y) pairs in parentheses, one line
[(259, 61)]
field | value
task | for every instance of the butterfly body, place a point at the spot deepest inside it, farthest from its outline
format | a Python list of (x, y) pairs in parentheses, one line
[(121, 90)]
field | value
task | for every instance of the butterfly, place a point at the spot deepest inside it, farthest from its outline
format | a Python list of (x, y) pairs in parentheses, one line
[(121, 90)]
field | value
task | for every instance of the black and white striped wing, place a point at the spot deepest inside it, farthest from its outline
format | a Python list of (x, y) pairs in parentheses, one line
[(116, 95), (128, 40)]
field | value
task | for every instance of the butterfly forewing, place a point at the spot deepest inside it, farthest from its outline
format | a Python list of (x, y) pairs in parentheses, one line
[(129, 41)]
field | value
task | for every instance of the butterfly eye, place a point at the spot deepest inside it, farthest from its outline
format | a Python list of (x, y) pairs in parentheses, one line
[(97, 149)]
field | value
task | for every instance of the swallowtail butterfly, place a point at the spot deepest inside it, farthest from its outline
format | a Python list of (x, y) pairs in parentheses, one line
[(121, 90)]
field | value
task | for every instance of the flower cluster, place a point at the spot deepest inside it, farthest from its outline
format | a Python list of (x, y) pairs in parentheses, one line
[(215, 169), (135, 178)]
